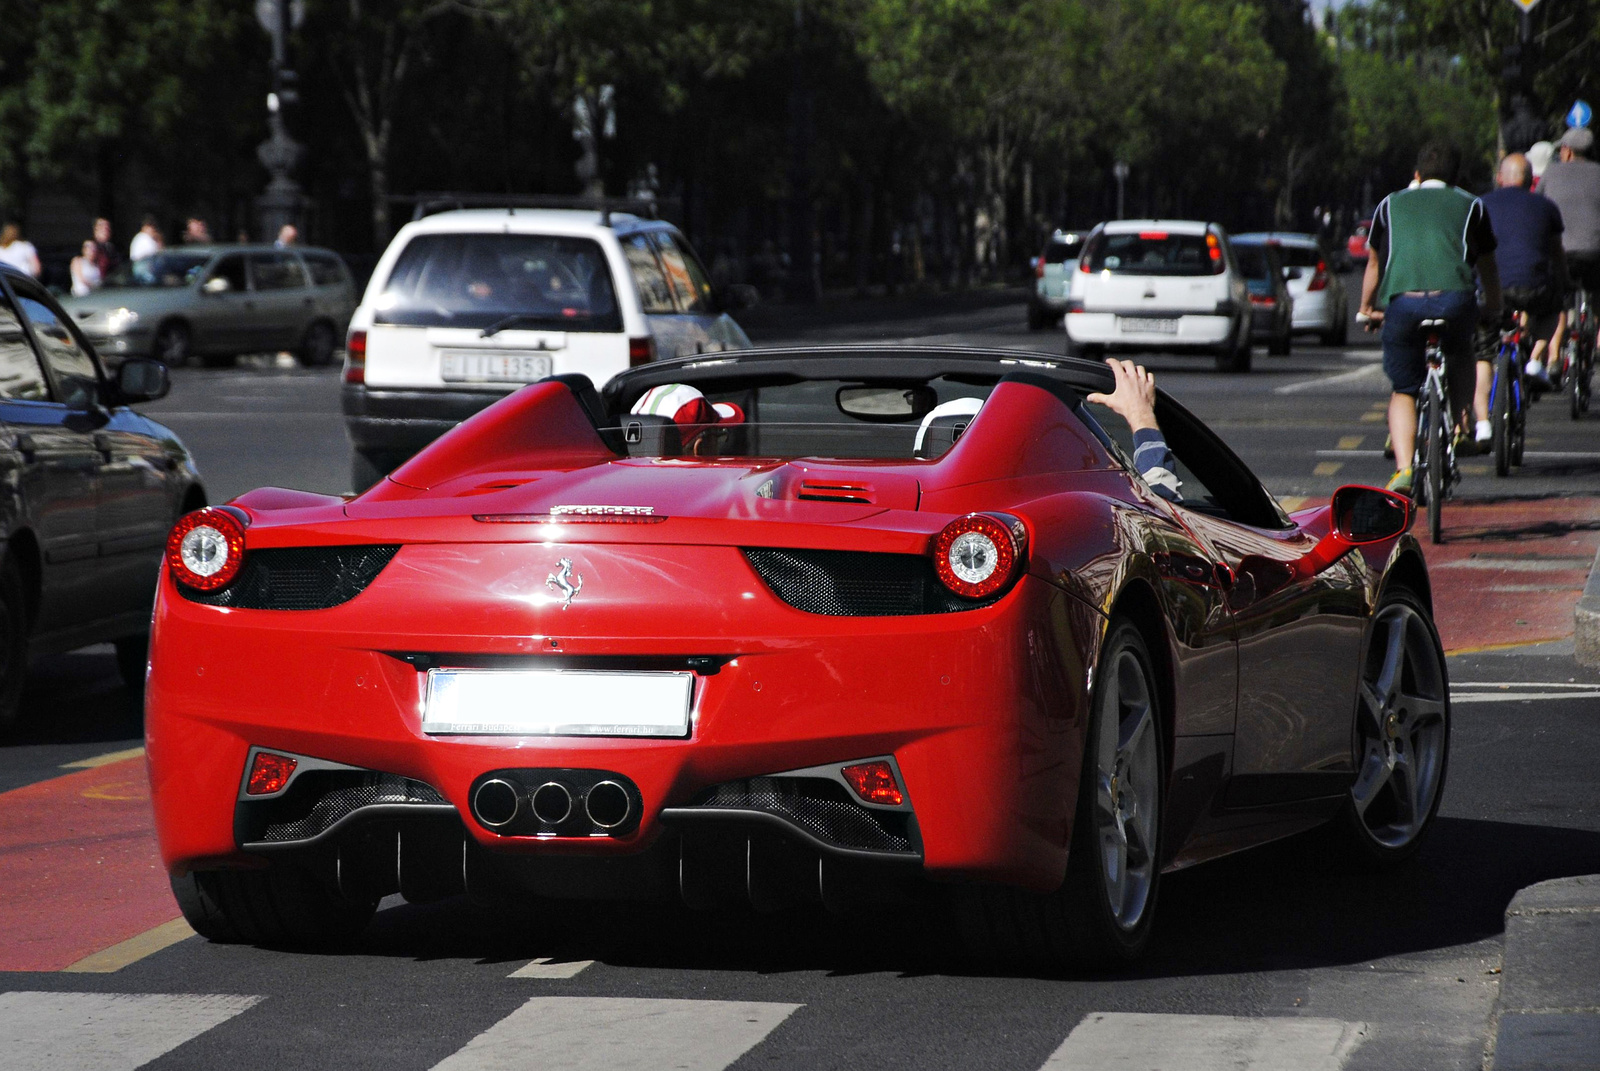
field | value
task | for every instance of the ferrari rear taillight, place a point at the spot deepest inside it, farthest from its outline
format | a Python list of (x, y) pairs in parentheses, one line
[(980, 554), (355, 357), (874, 782), (206, 549), (269, 773)]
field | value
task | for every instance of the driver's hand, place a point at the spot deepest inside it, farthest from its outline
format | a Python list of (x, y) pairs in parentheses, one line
[(1134, 398)]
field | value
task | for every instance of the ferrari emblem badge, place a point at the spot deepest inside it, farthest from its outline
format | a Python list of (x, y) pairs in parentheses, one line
[(562, 580)]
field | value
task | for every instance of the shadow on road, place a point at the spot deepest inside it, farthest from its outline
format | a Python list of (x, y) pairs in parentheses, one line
[(1286, 906), (77, 698)]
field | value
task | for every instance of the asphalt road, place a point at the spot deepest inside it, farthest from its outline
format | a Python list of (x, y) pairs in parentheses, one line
[(1279, 954)]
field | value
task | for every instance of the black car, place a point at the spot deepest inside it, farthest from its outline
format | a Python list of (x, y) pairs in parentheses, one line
[(89, 490), (1271, 304)]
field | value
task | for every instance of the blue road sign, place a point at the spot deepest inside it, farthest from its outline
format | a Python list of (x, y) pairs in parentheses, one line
[(1580, 114)]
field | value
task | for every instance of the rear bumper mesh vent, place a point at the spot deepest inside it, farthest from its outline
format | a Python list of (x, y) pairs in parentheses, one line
[(843, 583), (299, 578), (319, 798), (817, 806)]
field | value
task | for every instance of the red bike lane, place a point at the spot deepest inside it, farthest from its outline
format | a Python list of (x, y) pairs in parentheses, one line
[(80, 874)]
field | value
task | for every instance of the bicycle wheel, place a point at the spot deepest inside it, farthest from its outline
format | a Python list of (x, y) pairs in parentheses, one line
[(1572, 354), (1433, 417), (1500, 391)]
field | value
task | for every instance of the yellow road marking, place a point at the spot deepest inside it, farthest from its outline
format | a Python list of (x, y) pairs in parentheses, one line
[(1290, 503), (1351, 442), (1372, 417), (133, 949), (1504, 646), (1327, 468), (1475, 470), (103, 760)]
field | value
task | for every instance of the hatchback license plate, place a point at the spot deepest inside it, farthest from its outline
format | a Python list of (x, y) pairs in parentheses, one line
[(557, 702), (510, 367), (1148, 325)]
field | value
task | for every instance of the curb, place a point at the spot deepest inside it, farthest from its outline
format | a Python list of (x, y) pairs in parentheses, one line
[(1548, 1013), (1586, 621)]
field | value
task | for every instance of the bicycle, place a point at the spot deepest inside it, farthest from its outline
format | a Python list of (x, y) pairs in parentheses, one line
[(1433, 463), (1577, 352), (1508, 395)]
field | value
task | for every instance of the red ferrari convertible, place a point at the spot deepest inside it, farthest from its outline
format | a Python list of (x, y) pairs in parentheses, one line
[(827, 624)]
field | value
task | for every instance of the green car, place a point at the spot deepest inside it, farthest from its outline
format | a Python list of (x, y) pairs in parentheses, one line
[(215, 302)]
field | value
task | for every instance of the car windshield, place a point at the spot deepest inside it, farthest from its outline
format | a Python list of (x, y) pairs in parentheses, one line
[(1300, 256), (1153, 253), (831, 418), (159, 270), (477, 280), (1057, 252), (1254, 264)]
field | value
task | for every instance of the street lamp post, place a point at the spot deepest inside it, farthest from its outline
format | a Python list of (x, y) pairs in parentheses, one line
[(283, 201), (1120, 171)]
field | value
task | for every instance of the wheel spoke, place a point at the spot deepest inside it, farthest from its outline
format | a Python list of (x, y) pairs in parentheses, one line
[(1388, 682), (1376, 769), (1132, 735), (1420, 712), (1405, 795), (1116, 867), (1105, 806)]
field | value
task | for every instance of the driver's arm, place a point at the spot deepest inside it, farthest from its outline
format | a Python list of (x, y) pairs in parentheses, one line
[(1134, 400)]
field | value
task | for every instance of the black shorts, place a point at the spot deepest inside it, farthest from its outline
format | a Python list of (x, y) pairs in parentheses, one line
[(1584, 270)]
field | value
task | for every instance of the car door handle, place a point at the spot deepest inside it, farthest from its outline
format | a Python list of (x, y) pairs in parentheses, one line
[(25, 446)]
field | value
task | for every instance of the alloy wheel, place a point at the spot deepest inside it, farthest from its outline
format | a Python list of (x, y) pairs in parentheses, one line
[(1127, 790), (1401, 728)]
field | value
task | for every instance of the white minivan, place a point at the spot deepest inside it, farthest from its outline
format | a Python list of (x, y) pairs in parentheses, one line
[(1160, 284), (466, 306)]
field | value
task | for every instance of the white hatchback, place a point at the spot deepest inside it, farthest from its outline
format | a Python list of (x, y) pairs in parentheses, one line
[(1168, 285), (1321, 306), (466, 306)]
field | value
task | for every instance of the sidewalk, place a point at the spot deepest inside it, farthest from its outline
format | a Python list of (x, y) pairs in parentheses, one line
[(1549, 1010)]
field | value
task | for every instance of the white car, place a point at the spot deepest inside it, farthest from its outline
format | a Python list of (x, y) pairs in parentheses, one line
[(468, 305), (1321, 305), (1160, 284)]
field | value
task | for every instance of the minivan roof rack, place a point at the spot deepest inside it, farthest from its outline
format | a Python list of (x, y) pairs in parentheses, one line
[(427, 204)]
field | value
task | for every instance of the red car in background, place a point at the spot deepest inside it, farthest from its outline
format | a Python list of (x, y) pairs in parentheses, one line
[(838, 625), (1357, 245)]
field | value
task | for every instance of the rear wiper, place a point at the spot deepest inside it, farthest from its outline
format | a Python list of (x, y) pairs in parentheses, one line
[(511, 321)]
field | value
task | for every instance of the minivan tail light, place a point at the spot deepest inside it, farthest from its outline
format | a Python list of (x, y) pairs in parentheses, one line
[(1038, 268), (1319, 279), (641, 351), (355, 357), (1214, 248)]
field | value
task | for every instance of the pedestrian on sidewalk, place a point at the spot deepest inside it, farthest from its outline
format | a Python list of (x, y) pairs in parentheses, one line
[(17, 252), (195, 232), (288, 235), (86, 278), (148, 242), (105, 254), (1426, 241)]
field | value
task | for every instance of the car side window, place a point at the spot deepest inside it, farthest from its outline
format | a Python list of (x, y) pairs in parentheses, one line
[(21, 378), (66, 355), (277, 271), (1214, 480), (655, 295), (325, 270), (689, 280), (232, 269)]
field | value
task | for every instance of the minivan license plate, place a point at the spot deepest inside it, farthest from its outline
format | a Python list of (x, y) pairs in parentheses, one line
[(468, 366), (1148, 325)]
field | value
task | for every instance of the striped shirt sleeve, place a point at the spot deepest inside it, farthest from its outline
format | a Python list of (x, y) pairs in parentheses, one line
[(1155, 464)]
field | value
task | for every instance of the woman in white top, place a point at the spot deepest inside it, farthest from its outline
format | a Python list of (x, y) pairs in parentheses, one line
[(85, 271), (18, 253)]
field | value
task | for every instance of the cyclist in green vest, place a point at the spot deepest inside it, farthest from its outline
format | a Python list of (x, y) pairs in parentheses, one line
[(1425, 244)]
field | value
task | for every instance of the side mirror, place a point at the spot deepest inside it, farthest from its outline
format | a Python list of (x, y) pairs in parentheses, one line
[(1357, 516), (140, 379), (736, 296), (217, 284)]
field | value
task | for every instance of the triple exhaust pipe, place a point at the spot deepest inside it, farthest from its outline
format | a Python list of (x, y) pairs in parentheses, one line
[(498, 803)]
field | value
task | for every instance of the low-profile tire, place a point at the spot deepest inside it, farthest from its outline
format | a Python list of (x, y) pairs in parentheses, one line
[(133, 657), (1235, 358), (1280, 347), (13, 641), (1400, 738), (1096, 919), (172, 343), (1340, 334), (318, 347), (282, 907)]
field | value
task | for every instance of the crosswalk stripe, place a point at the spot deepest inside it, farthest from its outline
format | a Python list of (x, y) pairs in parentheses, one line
[(544, 967), (104, 1031), (1123, 1041), (620, 1034)]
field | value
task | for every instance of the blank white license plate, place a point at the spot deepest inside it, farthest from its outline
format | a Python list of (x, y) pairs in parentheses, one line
[(557, 702), (1148, 325), (468, 366)]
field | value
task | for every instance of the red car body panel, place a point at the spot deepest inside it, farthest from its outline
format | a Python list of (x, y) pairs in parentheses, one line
[(983, 710)]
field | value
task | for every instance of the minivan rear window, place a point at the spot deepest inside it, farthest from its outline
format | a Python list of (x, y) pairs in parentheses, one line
[(1153, 252), (547, 282)]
